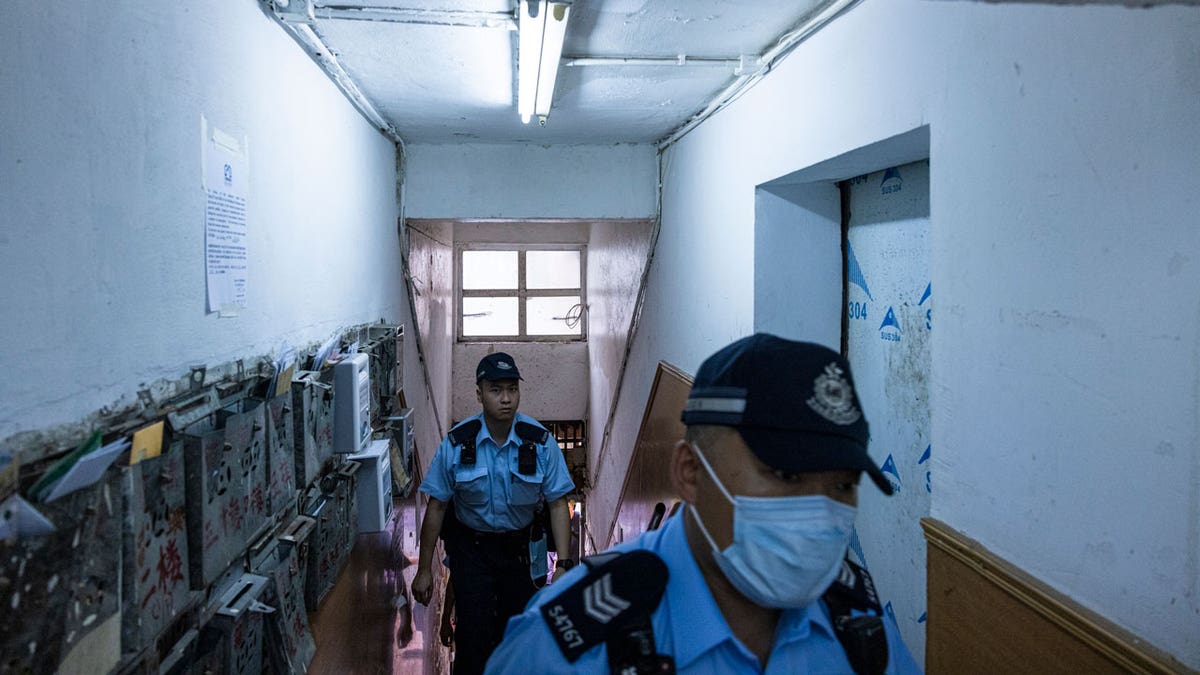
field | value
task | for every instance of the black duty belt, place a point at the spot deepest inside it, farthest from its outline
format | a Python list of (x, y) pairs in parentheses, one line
[(509, 537)]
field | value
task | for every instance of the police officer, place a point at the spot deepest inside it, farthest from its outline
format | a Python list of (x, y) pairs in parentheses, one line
[(751, 575), (496, 469)]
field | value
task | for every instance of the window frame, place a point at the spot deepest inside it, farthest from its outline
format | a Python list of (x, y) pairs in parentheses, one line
[(520, 292)]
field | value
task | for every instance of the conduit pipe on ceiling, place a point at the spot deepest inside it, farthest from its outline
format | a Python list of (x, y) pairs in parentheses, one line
[(422, 17), (740, 63), (790, 40), (297, 17)]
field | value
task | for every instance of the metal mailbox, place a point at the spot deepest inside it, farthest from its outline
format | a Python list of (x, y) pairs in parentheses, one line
[(281, 457), (312, 415), (60, 592), (288, 644), (155, 545), (401, 430), (233, 638), (333, 503), (226, 469), (381, 343)]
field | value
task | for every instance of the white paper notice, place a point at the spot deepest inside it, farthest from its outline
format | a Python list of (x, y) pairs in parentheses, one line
[(225, 183)]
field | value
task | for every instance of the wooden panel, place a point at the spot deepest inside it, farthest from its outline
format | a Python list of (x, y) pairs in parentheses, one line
[(648, 478), (988, 616)]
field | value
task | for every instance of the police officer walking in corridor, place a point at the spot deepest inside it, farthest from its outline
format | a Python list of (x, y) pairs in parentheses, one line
[(493, 471), (752, 576)]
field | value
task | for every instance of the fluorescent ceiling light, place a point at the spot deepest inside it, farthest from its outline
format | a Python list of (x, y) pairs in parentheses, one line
[(543, 27)]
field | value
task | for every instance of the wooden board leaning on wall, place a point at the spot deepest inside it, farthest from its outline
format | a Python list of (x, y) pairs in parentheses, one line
[(648, 478)]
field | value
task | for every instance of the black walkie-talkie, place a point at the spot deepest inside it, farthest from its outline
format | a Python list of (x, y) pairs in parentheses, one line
[(863, 637)]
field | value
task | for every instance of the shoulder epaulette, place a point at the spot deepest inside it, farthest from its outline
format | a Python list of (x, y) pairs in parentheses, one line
[(464, 435), (862, 636), (532, 433), (620, 591), (465, 432)]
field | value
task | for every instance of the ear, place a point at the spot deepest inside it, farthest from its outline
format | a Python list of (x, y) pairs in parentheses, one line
[(685, 471), (478, 393)]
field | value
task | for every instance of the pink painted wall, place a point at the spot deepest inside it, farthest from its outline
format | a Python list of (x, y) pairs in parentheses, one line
[(556, 377), (430, 269), (617, 255)]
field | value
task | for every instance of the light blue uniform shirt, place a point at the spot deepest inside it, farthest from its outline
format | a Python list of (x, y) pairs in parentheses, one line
[(491, 495), (689, 627)]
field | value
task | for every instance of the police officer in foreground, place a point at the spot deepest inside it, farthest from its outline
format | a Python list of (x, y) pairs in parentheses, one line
[(752, 575), (494, 470)]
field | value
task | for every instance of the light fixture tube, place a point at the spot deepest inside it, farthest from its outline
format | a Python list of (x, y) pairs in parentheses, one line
[(542, 30), (529, 53), (552, 46)]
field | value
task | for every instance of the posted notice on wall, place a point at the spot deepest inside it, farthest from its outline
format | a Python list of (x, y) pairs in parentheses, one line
[(225, 182)]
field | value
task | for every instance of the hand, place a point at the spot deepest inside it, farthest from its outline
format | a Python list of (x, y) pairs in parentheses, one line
[(422, 586), (446, 633)]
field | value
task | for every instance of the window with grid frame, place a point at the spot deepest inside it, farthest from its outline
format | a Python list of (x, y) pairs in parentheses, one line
[(528, 292)]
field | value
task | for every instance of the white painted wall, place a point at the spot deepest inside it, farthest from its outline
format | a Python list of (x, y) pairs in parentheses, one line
[(476, 180), (102, 237), (1065, 254), (798, 262)]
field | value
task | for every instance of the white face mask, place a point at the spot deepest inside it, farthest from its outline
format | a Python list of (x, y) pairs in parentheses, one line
[(786, 551)]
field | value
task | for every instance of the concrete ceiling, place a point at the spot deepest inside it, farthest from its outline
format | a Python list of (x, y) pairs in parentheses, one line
[(435, 82)]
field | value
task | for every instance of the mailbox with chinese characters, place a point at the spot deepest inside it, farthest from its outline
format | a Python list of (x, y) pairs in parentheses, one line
[(155, 580), (312, 416), (281, 458), (288, 642), (333, 504), (226, 469)]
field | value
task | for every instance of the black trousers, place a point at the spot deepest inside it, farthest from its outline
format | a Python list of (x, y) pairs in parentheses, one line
[(490, 574)]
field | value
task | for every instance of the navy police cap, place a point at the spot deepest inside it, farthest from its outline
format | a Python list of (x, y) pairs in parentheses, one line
[(497, 366), (792, 402)]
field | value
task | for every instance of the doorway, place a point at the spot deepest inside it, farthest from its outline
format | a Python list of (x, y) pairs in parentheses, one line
[(887, 321)]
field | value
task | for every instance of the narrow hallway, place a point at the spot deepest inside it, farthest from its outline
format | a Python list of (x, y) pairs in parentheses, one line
[(368, 624), (254, 251)]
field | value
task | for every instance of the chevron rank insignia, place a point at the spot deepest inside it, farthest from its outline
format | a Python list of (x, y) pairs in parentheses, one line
[(617, 590)]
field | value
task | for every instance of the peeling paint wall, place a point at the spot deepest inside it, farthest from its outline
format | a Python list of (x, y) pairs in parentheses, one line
[(1065, 249)]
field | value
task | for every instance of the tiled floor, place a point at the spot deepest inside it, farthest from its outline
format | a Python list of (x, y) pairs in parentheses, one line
[(368, 624)]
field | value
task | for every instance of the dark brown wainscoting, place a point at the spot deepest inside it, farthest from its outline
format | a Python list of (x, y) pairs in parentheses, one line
[(988, 616)]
